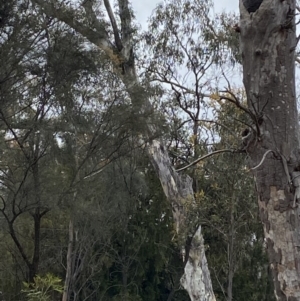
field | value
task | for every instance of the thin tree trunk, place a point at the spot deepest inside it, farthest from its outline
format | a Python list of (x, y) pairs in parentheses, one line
[(36, 218), (231, 251), (65, 296), (33, 270), (38, 212), (124, 282), (69, 280), (268, 41)]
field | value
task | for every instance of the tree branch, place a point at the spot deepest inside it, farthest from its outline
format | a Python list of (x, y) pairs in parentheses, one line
[(114, 25), (262, 160), (206, 156), (126, 28), (98, 37)]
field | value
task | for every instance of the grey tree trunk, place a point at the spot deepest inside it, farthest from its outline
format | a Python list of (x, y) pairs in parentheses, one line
[(66, 292), (231, 255), (268, 41), (178, 188)]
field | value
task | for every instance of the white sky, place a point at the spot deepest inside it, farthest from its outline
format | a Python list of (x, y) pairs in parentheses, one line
[(144, 8)]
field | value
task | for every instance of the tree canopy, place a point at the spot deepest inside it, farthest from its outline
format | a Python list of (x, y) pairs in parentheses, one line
[(127, 157)]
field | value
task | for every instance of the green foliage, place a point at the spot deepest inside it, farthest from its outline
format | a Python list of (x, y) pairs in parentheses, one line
[(253, 279), (71, 148), (136, 256), (228, 212), (43, 288)]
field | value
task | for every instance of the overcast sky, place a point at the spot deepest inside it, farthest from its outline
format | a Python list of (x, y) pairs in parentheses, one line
[(144, 8)]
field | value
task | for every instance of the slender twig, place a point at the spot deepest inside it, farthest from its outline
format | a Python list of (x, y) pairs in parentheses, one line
[(219, 124), (262, 160), (235, 101), (206, 156)]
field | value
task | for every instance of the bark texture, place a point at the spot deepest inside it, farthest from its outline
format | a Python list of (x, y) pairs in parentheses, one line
[(178, 189), (268, 40)]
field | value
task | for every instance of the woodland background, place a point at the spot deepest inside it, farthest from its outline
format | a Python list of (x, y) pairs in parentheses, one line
[(77, 189)]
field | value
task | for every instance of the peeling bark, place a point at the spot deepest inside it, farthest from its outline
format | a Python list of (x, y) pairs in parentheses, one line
[(178, 189), (268, 40)]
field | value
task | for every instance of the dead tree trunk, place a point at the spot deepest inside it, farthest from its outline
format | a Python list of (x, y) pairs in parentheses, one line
[(268, 41)]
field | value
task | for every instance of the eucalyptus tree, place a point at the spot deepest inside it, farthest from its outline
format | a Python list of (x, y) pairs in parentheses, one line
[(24, 132), (228, 212), (115, 37), (268, 43), (48, 122)]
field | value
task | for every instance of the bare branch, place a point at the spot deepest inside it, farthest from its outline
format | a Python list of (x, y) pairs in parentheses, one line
[(221, 125), (164, 79), (114, 25), (206, 156), (262, 160), (233, 99)]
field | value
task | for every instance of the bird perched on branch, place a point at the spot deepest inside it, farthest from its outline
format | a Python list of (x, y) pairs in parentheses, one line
[(252, 5)]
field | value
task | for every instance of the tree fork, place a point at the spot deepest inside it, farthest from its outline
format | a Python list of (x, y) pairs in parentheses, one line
[(268, 41)]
